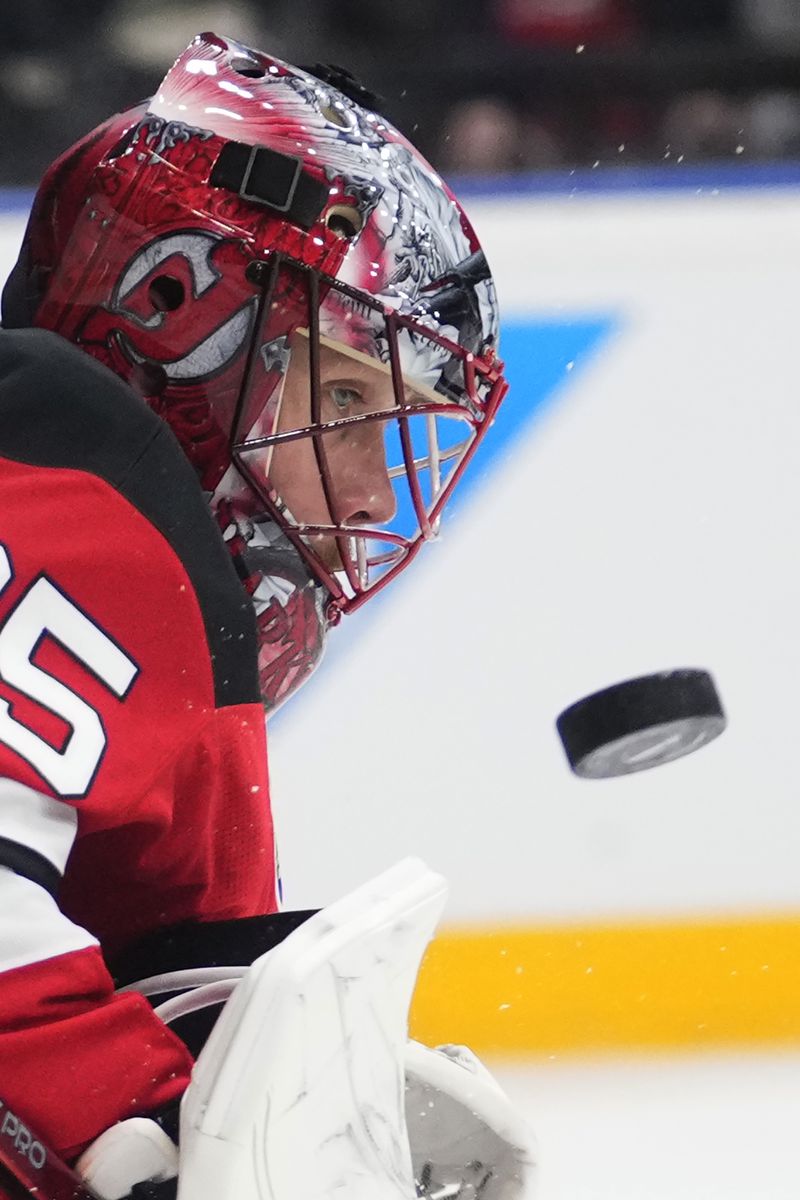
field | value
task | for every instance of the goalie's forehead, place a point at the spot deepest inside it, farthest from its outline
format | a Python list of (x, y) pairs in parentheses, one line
[(337, 359)]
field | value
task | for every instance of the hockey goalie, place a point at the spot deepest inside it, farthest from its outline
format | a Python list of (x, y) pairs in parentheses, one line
[(248, 350)]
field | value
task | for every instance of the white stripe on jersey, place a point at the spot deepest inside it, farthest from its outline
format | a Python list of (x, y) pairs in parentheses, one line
[(38, 822), (32, 927)]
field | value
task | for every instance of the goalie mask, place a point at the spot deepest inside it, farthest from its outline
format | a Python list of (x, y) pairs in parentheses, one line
[(295, 291)]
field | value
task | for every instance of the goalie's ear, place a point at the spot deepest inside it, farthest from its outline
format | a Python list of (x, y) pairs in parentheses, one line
[(463, 1129)]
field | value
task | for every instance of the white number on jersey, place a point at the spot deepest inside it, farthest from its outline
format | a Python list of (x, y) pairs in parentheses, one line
[(44, 611)]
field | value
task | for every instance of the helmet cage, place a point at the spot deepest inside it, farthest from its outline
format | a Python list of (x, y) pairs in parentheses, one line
[(369, 557)]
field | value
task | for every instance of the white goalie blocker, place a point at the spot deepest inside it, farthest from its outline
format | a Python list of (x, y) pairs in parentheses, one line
[(300, 1091)]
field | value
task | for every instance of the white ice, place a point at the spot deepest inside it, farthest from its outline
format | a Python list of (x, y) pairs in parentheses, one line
[(677, 1127)]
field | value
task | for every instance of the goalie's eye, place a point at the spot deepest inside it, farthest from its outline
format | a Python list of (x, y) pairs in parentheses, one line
[(344, 396)]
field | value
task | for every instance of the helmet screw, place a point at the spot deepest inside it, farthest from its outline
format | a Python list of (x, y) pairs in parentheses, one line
[(256, 272)]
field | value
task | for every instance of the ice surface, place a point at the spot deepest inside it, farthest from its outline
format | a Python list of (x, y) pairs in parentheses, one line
[(672, 1128)]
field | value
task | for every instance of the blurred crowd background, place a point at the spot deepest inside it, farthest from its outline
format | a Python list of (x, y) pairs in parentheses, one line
[(484, 87)]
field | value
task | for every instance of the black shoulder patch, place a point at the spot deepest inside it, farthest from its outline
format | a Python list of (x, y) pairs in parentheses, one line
[(61, 408)]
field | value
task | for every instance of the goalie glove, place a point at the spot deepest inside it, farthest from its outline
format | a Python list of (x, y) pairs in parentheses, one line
[(467, 1140)]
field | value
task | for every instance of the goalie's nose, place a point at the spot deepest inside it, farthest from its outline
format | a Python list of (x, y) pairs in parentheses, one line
[(364, 492)]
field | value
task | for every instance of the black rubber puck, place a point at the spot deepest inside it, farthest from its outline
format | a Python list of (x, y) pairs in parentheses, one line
[(641, 723)]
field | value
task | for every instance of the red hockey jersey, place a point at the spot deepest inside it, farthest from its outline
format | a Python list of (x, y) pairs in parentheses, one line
[(133, 774)]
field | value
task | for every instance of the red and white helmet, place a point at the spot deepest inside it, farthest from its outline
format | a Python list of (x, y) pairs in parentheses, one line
[(293, 288)]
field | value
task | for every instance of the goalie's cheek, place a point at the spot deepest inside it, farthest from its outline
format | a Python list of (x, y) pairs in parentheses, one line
[(358, 484), (295, 477)]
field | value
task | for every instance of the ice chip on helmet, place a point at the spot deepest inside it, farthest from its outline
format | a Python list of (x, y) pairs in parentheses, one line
[(293, 288)]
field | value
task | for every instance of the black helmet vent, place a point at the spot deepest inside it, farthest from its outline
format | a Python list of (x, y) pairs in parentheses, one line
[(248, 67), (347, 84)]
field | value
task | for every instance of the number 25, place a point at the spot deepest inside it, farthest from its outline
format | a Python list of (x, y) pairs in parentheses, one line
[(45, 611)]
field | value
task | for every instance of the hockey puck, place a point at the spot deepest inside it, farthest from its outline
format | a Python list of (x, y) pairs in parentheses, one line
[(641, 723)]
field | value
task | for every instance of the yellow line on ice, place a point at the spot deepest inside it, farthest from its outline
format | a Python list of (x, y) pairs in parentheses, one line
[(586, 987)]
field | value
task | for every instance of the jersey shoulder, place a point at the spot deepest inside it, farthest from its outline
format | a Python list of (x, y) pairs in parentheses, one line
[(62, 410)]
